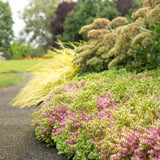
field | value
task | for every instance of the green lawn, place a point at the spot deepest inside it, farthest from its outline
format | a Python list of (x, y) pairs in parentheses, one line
[(9, 79), (15, 66)]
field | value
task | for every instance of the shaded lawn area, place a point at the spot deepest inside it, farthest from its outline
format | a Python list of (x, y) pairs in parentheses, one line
[(16, 66)]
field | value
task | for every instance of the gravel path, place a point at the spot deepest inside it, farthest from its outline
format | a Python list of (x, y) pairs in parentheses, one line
[(17, 138)]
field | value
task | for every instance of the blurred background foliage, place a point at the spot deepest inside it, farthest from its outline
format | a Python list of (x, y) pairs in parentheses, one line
[(21, 50), (6, 31), (48, 21)]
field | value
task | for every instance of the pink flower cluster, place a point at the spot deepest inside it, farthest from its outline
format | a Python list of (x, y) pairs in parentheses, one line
[(48, 99), (104, 103), (141, 144), (73, 120)]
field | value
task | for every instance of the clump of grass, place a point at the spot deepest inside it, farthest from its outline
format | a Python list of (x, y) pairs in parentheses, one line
[(56, 72), (9, 79)]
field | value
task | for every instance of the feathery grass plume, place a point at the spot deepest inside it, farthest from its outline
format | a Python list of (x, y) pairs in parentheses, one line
[(97, 33), (101, 23), (119, 21), (137, 40), (57, 71)]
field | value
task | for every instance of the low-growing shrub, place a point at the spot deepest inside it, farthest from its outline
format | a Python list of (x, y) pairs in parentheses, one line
[(107, 115)]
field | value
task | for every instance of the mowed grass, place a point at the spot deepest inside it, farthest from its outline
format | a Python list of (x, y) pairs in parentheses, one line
[(16, 66), (9, 79)]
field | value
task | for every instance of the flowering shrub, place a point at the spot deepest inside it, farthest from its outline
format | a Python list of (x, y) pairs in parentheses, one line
[(110, 115), (117, 43)]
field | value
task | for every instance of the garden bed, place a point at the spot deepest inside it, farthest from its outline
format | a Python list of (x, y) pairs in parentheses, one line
[(108, 115)]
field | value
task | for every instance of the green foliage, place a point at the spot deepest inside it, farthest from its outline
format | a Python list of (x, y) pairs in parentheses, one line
[(81, 15), (84, 13), (83, 131), (108, 9), (134, 45), (19, 51), (6, 32), (9, 79)]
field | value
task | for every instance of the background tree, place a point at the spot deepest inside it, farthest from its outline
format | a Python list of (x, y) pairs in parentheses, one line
[(83, 13), (108, 9), (57, 24), (6, 32), (37, 17)]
